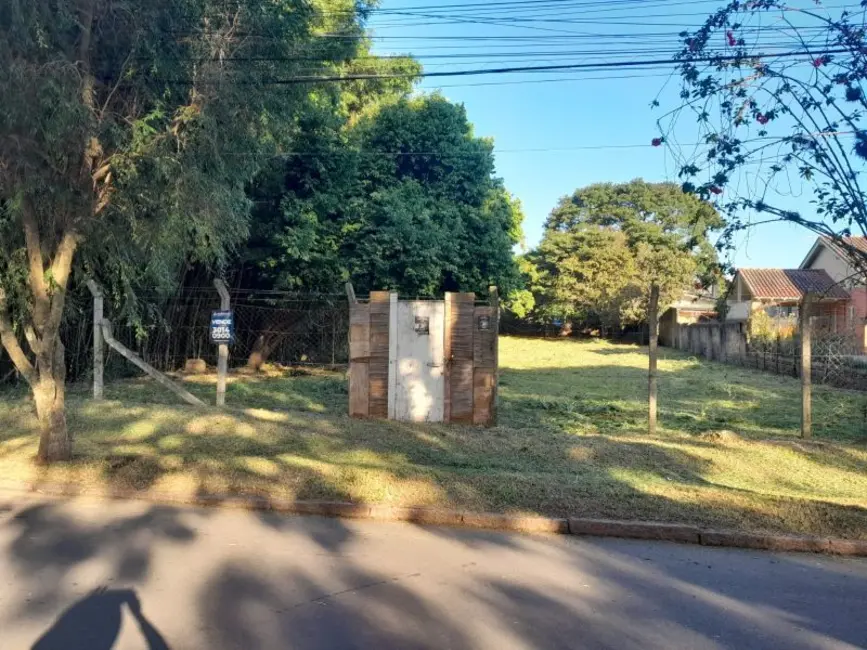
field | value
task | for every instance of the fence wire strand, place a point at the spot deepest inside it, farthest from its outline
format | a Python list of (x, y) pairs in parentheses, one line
[(285, 329)]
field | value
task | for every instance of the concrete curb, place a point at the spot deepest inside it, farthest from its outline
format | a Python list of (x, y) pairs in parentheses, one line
[(635, 530), (655, 531)]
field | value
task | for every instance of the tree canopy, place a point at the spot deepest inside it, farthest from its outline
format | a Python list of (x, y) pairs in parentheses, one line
[(606, 244), (128, 137), (141, 140), (404, 197)]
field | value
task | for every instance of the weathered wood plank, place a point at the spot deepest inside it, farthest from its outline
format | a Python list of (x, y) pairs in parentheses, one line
[(447, 356), (153, 372), (461, 325), (462, 391), (458, 339), (380, 316), (98, 348), (222, 350), (359, 389), (484, 340), (494, 294), (483, 396), (359, 332)]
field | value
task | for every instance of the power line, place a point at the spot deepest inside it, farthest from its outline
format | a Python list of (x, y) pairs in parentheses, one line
[(605, 65), (469, 154)]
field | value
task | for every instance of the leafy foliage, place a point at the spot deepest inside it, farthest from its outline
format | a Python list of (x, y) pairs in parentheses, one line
[(128, 135), (606, 244), (767, 119), (402, 198)]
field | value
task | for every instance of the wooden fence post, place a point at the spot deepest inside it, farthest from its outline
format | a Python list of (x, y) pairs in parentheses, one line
[(223, 350), (98, 349), (806, 369), (494, 294), (652, 314)]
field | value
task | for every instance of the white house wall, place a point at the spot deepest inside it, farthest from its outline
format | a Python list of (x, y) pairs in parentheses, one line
[(833, 264), (738, 310)]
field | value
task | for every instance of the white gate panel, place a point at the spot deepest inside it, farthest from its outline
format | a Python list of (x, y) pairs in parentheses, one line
[(419, 361)]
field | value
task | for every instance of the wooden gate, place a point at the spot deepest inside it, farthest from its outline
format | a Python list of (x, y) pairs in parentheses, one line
[(424, 360)]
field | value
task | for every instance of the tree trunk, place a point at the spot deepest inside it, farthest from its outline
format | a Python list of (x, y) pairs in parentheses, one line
[(276, 329), (259, 356), (55, 443)]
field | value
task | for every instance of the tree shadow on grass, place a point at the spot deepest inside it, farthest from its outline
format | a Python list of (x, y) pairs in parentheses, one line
[(318, 392), (571, 442)]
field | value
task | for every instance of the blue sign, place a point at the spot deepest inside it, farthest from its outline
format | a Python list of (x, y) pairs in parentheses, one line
[(223, 327)]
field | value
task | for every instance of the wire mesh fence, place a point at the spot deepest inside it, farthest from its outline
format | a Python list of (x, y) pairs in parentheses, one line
[(837, 357), (270, 327)]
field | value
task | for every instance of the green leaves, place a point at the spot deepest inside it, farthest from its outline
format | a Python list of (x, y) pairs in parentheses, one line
[(605, 244), (792, 114), (412, 205)]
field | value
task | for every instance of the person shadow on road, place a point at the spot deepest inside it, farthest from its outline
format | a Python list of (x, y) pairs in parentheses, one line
[(93, 623)]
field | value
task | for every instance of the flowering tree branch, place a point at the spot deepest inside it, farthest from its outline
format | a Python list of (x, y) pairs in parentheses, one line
[(766, 117)]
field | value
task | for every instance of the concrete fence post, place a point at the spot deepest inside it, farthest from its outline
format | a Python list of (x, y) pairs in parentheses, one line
[(98, 347), (223, 349), (653, 322), (806, 368)]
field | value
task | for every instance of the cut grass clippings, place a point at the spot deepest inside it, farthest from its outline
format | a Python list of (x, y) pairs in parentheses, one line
[(571, 441)]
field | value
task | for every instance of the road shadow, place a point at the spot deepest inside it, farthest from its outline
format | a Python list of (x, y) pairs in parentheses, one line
[(48, 544), (94, 622), (274, 581), (527, 592)]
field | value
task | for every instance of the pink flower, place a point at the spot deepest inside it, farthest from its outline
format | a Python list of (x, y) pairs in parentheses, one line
[(818, 63), (656, 142), (715, 189), (762, 119), (731, 38)]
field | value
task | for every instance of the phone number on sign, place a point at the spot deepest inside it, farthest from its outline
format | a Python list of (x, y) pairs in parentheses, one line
[(221, 333)]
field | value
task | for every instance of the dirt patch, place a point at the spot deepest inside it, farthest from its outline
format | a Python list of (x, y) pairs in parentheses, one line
[(722, 435)]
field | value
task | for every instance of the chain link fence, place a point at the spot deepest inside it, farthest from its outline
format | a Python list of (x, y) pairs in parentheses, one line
[(270, 328), (837, 356)]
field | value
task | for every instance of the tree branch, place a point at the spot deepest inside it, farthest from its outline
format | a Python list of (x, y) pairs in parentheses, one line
[(60, 271), (10, 343), (36, 268)]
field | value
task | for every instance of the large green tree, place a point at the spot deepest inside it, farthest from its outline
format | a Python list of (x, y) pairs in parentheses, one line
[(128, 135), (606, 244), (403, 197)]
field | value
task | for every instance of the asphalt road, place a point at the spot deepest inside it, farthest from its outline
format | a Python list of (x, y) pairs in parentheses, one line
[(96, 575)]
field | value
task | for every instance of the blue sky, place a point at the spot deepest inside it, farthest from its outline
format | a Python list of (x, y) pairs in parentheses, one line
[(593, 127)]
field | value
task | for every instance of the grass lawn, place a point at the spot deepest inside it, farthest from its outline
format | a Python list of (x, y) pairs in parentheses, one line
[(571, 441)]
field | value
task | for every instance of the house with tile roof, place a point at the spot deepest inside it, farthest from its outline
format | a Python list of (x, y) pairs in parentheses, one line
[(779, 292), (834, 258)]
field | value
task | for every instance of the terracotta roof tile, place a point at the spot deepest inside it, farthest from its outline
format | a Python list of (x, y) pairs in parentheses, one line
[(858, 243), (790, 284)]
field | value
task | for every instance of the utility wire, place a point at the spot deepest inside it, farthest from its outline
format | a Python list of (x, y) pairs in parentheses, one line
[(487, 152), (543, 68)]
